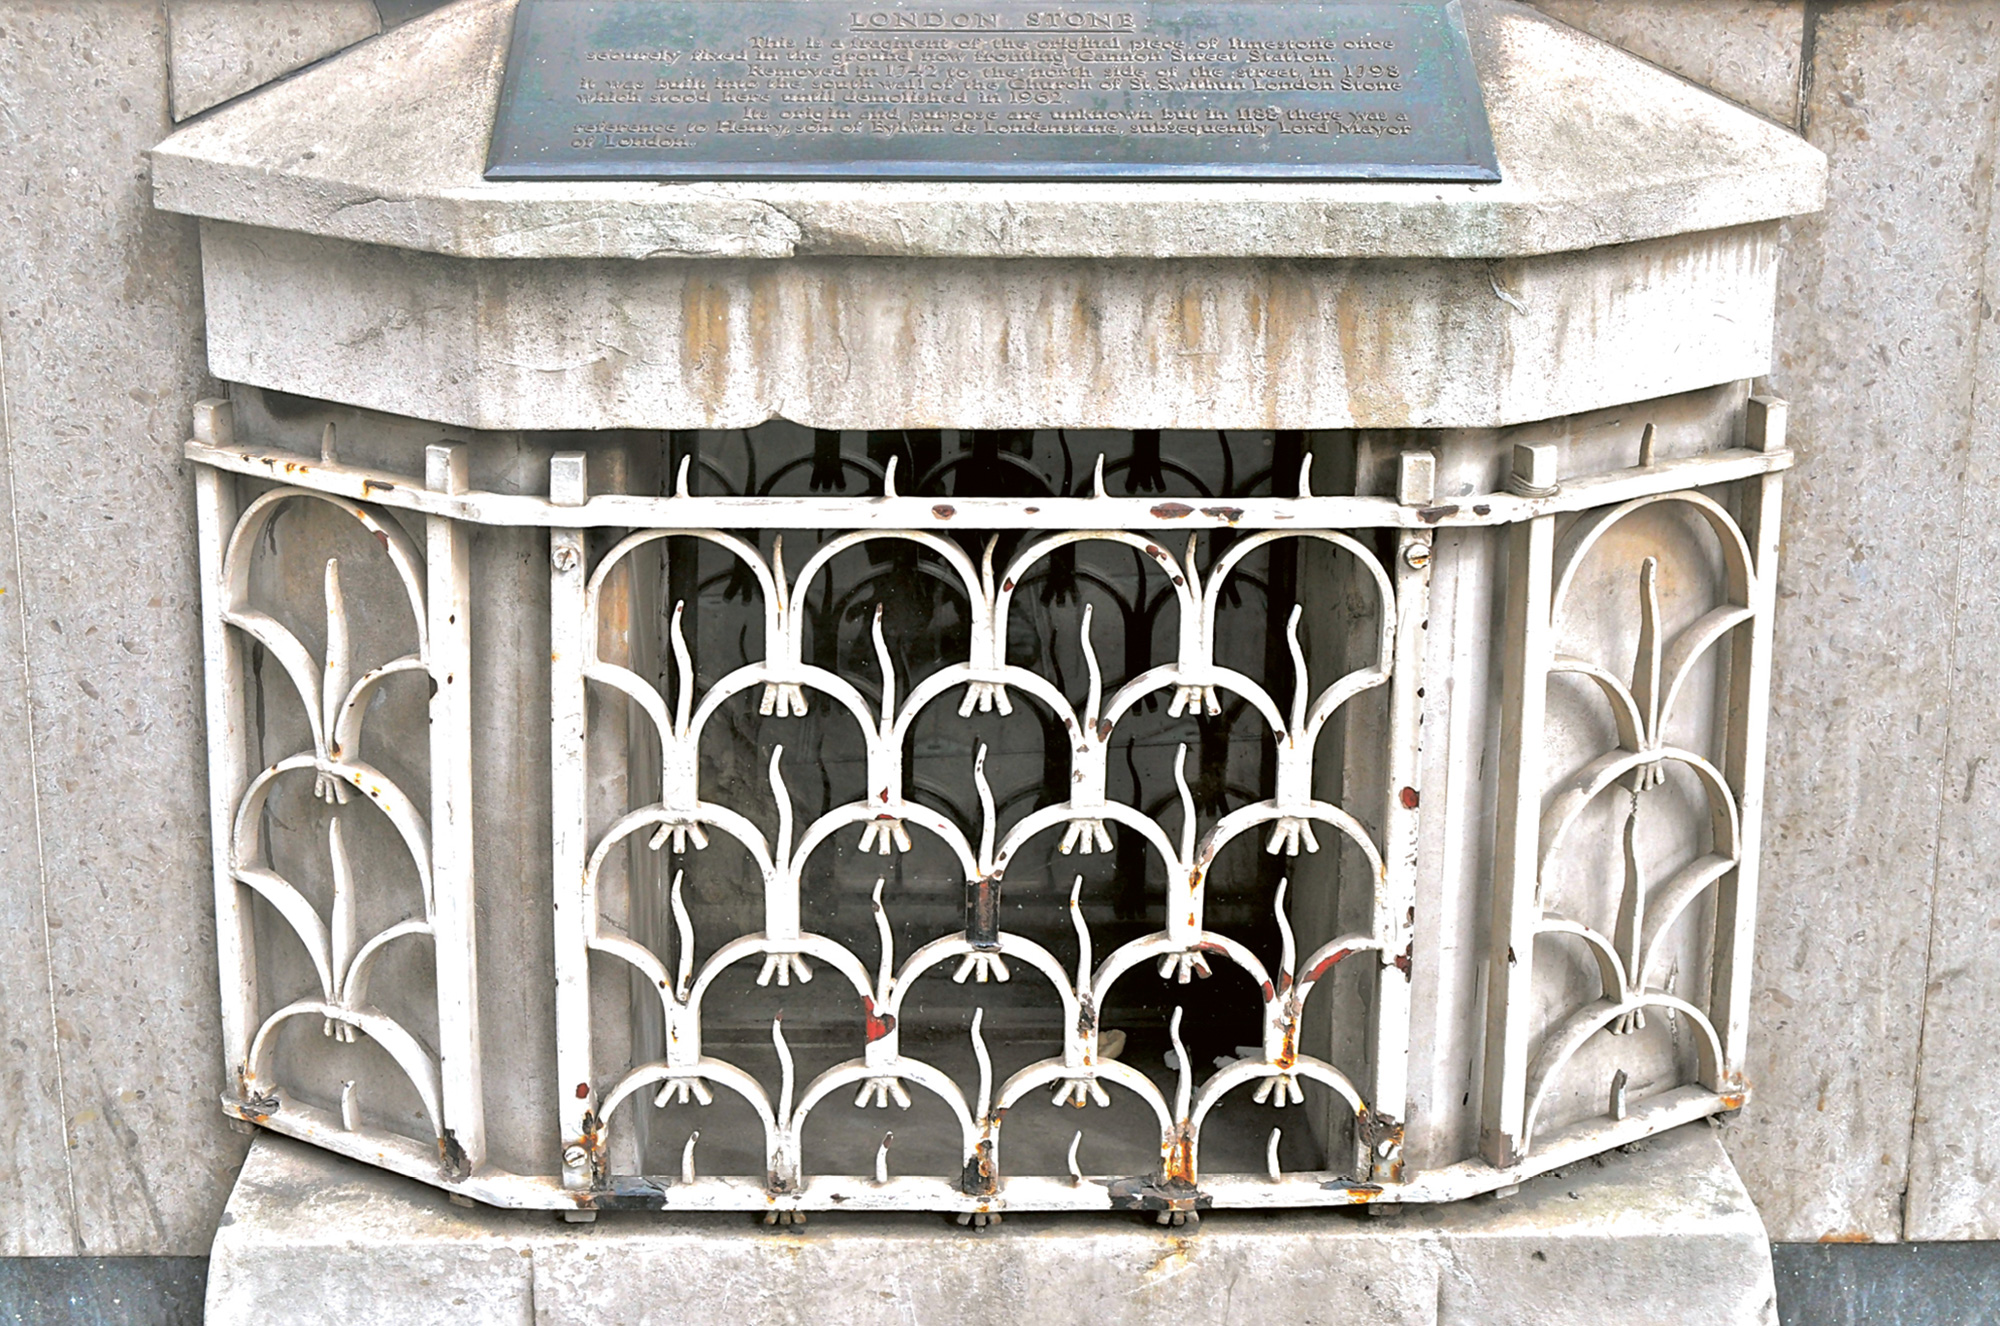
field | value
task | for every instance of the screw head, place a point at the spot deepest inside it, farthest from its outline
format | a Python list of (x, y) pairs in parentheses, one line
[(1417, 556), (574, 1156), (565, 557)]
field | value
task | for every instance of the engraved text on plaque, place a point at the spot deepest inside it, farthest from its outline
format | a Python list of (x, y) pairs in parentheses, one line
[(1155, 89)]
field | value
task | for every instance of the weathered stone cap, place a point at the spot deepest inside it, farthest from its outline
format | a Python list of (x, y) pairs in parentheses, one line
[(386, 145)]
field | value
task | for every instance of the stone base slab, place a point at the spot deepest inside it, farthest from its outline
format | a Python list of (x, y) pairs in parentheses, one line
[(1662, 1233)]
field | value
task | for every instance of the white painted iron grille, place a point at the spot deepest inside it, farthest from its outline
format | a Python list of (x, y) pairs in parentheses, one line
[(909, 811)]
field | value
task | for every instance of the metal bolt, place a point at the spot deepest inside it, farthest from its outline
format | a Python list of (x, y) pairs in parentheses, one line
[(565, 557), (1417, 556), (574, 1156)]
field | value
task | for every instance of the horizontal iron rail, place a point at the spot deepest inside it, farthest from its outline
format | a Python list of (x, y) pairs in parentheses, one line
[(1027, 1192), (625, 511)]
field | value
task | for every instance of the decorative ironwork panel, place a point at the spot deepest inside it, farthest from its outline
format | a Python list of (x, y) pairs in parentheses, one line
[(912, 794), (334, 699)]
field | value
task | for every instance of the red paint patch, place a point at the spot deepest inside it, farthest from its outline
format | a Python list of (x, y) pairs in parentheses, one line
[(1326, 964), (583, 1091), (1408, 796)]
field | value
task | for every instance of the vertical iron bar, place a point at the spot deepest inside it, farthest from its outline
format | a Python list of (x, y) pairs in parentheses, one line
[(449, 608), (569, 485), (1396, 892), (608, 762), (216, 510)]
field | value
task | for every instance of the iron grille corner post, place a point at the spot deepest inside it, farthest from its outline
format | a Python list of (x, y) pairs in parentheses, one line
[(1526, 648), (574, 907), (226, 695), (1748, 719), (454, 930)]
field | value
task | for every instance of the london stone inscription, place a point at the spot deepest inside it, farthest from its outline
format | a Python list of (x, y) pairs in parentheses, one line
[(1155, 89)]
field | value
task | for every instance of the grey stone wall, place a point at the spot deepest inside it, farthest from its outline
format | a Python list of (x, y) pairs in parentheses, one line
[(110, 1139), (107, 1102), (1880, 940)]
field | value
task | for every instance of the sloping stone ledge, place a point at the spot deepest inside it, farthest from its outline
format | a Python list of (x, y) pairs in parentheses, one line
[(387, 145)]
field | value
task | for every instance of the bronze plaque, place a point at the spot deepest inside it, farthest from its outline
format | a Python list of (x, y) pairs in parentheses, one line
[(846, 89)]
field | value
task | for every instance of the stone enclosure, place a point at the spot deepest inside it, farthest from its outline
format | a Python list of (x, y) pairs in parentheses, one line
[(1866, 1121)]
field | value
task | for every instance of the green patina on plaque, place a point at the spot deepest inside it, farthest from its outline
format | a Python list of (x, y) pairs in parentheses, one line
[(842, 89)]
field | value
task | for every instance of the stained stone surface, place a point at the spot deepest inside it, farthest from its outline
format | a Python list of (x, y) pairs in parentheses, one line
[(109, 960), (34, 1174), (1747, 50), (1877, 951), (387, 145), (1953, 1185), (224, 48), (1665, 1233), (1032, 343), (1626, 256)]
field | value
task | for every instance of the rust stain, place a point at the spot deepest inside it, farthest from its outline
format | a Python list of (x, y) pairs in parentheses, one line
[(944, 511), (1431, 515), (978, 1179), (1144, 1192), (1232, 514), (1408, 796), (451, 1156), (1169, 511), (592, 1141), (764, 300), (1193, 310), (1179, 1160), (705, 348), (1374, 357)]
